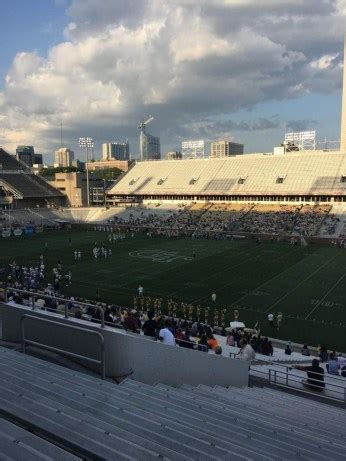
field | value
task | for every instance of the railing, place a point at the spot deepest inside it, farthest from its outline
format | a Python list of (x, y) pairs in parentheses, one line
[(32, 295), (191, 345), (284, 377), (101, 362)]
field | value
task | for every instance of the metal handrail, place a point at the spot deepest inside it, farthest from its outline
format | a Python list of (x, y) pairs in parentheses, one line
[(287, 366), (193, 345), (33, 294), (25, 341), (273, 375)]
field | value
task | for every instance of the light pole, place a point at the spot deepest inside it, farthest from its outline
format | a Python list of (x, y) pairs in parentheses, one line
[(87, 143)]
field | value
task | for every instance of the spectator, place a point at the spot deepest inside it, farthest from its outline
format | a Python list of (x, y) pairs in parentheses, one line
[(333, 366), (179, 336), (230, 340), (265, 347), (218, 350), (166, 335), (150, 327), (187, 341), (315, 375), (131, 322), (203, 343), (323, 353), (246, 352), (271, 349), (212, 342), (288, 350), (305, 351)]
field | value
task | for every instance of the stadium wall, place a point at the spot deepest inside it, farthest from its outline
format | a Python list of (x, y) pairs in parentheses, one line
[(127, 354)]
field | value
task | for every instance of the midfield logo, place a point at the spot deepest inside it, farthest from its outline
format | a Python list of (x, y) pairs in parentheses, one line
[(160, 256)]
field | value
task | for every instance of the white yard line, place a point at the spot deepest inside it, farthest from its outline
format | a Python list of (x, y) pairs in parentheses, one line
[(324, 297), (300, 283)]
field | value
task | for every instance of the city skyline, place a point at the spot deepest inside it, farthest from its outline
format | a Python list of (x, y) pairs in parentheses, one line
[(221, 69)]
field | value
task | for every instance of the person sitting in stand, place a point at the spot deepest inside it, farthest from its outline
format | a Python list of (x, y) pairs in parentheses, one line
[(265, 347), (150, 327), (187, 341), (333, 366), (230, 341), (131, 322), (323, 353), (203, 343), (305, 351), (218, 350), (315, 375), (179, 336), (166, 335), (288, 350), (212, 342)]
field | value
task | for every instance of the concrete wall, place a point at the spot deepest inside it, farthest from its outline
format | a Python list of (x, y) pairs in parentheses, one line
[(146, 360)]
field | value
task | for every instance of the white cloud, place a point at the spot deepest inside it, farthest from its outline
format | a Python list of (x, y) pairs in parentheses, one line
[(182, 60)]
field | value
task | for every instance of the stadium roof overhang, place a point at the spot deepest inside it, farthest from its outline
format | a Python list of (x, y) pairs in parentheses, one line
[(10, 189)]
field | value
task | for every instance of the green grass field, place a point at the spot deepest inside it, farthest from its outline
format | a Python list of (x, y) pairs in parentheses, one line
[(307, 284)]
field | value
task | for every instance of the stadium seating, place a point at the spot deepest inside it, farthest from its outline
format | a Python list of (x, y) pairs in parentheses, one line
[(20, 444), (98, 419), (296, 173), (29, 185)]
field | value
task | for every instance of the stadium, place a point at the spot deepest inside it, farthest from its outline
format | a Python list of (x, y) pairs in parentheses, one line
[(238, 262)]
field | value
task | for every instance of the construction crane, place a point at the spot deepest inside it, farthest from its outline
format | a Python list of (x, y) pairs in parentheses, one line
[(144, 124)]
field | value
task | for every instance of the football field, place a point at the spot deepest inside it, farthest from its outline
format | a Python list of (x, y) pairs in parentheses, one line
[(307, 284)]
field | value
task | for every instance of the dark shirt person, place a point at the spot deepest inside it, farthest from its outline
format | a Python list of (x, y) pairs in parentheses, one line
[(315, 375), (131, 322), (150, 327)]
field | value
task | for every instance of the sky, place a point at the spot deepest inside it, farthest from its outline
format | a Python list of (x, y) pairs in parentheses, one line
[(243, 70)]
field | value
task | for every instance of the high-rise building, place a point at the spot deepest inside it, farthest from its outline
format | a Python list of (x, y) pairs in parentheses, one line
[(173, 155), (26, 154), (225, 149), (63, 157), (38, 160), (149, 146), (192, 149), (116, 151)]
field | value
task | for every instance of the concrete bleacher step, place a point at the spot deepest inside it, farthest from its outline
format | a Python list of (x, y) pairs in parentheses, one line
[(178, 425), (282, 416), (272, 395), (18, 444), (274, 418), (100, 420), (261, 398), (189, 447), (253, 427), (94, 421), (281, 413)]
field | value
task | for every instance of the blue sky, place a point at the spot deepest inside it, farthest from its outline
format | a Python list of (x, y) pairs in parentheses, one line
[(28, 25), (218, 69)]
